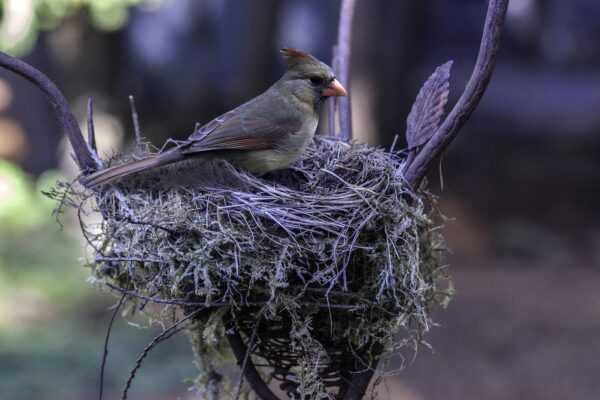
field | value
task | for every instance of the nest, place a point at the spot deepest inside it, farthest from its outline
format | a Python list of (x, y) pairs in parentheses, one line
[(322, 269)]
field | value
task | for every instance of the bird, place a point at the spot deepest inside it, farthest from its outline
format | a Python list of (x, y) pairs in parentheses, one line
[(267, 133)]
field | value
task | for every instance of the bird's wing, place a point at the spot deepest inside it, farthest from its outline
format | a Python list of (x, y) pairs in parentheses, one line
[(242, 129)]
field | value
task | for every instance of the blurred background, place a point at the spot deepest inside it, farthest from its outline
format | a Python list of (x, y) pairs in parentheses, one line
[(521, 183)]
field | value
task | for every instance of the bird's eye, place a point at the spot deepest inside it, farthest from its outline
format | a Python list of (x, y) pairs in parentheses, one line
[(315, 80)]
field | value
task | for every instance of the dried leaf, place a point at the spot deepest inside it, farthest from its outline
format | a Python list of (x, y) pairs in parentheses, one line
[(428, 108)]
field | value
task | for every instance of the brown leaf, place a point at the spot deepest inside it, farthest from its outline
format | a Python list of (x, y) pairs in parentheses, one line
[(428, 108)]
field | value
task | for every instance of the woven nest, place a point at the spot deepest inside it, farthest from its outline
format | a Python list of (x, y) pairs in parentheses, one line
[(317, 266)]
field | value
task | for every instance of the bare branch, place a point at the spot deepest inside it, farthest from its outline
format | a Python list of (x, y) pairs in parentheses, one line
[(343, 65), (333, 101), (130, 259), (135, 118), (90, 126), (250, 372), (105, 353), (217, 304), (164, 335), (486, 60), (177, 302), (63, 113), (364, 371), (247, 356)]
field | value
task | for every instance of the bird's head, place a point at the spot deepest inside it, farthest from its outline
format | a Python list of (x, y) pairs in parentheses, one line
[(309, 80)]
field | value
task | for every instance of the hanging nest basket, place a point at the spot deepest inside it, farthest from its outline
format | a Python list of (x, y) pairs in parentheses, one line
[(315, 276), (319, 268)]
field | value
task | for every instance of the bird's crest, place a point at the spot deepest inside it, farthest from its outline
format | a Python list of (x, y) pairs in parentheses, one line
[(296, 57)]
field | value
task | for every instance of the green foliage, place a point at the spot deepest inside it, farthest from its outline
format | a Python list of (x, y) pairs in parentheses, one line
[(33, 255), (52, 322), (21, 205), (59, 358), (23, 19)]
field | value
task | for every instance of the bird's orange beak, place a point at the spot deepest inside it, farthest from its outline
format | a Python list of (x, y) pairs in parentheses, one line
[(334, 88)]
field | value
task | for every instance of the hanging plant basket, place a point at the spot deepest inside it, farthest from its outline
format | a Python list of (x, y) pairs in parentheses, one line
[(315, 265)]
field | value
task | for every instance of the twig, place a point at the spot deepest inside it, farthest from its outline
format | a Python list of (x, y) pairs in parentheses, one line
[(247, 356), (409, 160), (486, 60), (136, 121), (139, 222), (393, 146), (250, 372), (63, 113), (333, 101), (105, 353), (351, 187), (178, 302), (217, 304), (90, 126), (360, 380), (343, 65), (124, 259), (164, 335), (366, 303)]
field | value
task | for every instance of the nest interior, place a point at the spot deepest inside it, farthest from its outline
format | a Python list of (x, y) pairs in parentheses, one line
[(325, 263)]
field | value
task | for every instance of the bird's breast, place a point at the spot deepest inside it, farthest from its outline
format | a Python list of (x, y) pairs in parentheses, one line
[(298, 141)]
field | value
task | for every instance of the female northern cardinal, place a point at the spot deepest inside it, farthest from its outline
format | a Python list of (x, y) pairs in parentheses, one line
[(267, 133)]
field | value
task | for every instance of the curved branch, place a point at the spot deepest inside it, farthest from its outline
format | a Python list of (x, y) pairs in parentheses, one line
[(240, 350), (106, 338), (486, 60), (247, 357), (164, 335), (360, 380), (63, 113)]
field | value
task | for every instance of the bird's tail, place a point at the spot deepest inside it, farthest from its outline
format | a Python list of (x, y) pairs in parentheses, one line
[(118, 171)]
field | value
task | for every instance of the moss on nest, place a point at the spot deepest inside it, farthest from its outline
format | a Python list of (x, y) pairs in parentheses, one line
[(333, 257)]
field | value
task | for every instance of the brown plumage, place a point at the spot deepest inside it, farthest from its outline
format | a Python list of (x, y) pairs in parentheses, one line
[(264, 134)]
